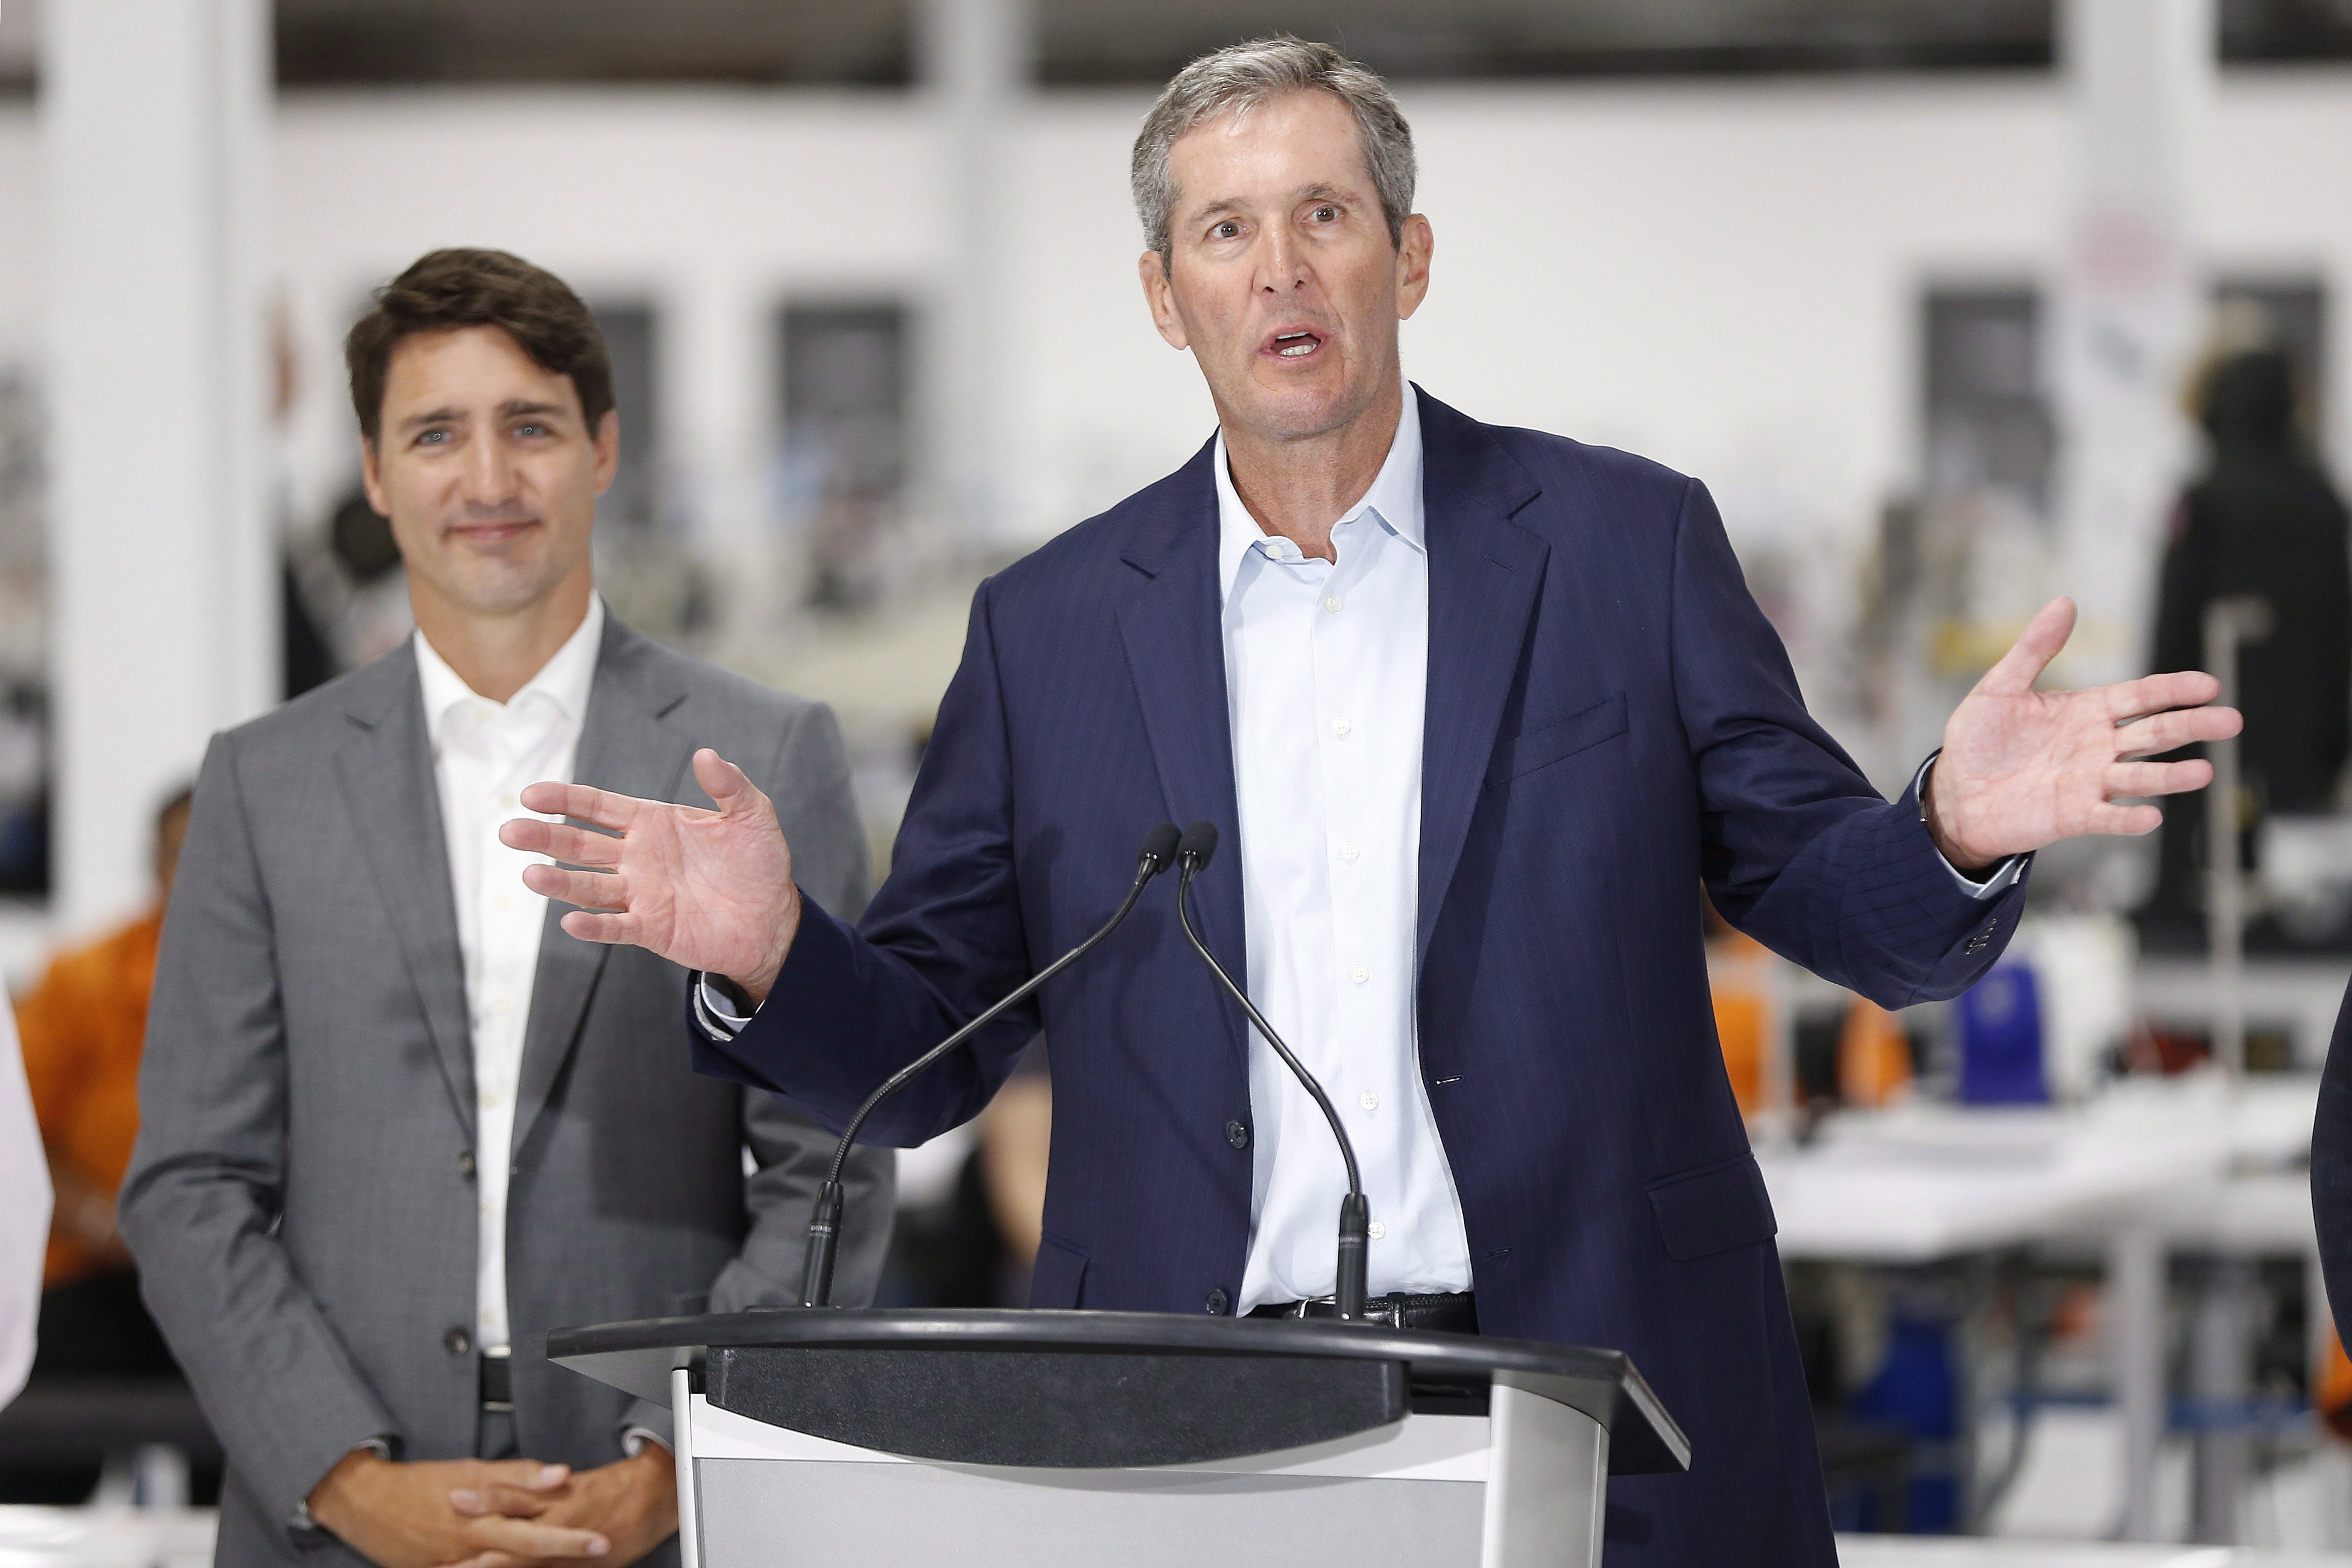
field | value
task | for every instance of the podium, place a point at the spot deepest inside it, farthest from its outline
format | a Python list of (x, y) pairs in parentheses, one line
[(1052, 1439)]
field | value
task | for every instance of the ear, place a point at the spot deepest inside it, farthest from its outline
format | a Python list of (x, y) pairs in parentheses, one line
[(1414, 246), (372, 478), (1159, 293), (608, 449)]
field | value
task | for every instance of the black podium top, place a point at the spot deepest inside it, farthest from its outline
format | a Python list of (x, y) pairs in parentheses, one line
[(1105, 1388)]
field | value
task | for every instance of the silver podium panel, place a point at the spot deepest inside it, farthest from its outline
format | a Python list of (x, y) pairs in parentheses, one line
[(1522, 1488)]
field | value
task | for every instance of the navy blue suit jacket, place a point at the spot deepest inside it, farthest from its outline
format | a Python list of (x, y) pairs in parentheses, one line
[(1611, 722)]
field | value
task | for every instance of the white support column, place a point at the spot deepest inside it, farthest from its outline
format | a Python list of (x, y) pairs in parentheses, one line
[(974, 57), (2130, 303), (163, 588)]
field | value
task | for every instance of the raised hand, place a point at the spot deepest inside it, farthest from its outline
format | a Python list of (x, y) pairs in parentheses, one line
[(707, 890), (2022, 769)]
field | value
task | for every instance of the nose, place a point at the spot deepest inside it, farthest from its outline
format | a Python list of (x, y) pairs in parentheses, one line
[(1282, 264), (489, 475)]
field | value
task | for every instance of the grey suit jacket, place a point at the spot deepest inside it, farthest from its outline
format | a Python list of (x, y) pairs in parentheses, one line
[(301, 1199)]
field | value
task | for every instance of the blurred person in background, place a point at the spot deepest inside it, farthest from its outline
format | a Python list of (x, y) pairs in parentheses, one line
[(394, 1125), (24, 1218), (1477, 710), (83, 1026), (2263, 521)]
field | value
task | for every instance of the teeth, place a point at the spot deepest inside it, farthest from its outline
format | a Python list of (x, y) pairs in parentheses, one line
[(1295, 350)]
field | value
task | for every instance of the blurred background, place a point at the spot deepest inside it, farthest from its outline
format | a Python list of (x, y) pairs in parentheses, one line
[(1955, 306)]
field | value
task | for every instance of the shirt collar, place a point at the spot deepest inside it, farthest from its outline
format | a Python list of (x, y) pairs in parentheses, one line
[(1395, 499), (564, 679)]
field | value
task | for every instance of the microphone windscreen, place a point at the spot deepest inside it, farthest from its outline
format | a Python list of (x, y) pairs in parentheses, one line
[(1160, 847), (1199, 844)]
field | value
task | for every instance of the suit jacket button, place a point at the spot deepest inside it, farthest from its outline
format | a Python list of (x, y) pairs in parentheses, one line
[(457, 1341), (1218, 1302), (1237, 1134), (466, 1164)]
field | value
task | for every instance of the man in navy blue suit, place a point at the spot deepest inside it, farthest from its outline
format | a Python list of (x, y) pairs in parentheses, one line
[(1477, 711)]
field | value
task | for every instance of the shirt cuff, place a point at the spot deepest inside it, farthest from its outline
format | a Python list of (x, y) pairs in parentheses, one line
[(633, 1441), (718, 1007), (1997, 881)]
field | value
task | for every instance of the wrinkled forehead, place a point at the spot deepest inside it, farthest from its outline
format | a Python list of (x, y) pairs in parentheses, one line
[(1296, 144)]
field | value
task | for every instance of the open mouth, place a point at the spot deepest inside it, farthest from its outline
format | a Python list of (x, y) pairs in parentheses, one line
[(1298, 342)]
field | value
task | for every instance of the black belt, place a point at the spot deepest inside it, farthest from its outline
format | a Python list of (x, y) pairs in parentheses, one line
[(1446, 1314), (498, 1382)]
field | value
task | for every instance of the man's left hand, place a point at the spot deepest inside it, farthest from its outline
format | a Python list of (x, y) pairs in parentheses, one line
[(2022, 769), (632, 1503)]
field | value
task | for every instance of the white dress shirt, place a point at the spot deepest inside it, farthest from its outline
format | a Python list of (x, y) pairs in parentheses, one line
[(484, 753), (24, 1218), (1326, 668)]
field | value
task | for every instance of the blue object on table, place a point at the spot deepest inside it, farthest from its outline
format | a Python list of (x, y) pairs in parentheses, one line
[(1918, 1391), (2000, 1039)]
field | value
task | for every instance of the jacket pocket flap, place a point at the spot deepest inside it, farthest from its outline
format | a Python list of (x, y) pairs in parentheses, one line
[(1531, 748), (1714, 1209), (1059, 1278)]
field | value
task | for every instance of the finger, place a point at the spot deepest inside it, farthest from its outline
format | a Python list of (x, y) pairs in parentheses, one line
[(2124, 821), (496, 1497), (583, 804), (729, 788), (2143, 779), (561, 841), (2163, 732), (587, 927), (2035, 646), (488, 1560), (528, 1538), (2154, 693), (589, 889)]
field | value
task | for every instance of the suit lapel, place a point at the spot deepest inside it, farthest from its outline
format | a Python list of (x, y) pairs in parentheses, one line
[(1170, 627), (386, 768), (625, 747), (1485, 573)]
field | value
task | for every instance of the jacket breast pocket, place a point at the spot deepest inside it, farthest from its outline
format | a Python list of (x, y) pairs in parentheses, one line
[(1713, 1209), (1059, 1278), (1528, 749)]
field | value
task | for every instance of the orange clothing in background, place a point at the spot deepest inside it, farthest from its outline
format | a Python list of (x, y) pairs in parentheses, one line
[(84, 1025)]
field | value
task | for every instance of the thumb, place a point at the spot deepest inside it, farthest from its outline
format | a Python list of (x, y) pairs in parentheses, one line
[(729, 788), (531, 1474), (2035, 646)]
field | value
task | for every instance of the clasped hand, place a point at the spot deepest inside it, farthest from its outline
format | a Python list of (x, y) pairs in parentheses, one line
[(477, 1514)]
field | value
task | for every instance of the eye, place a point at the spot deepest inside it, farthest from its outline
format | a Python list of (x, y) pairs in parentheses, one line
[(433, 438), (1228, 229), (1326, 213), (530, 430)]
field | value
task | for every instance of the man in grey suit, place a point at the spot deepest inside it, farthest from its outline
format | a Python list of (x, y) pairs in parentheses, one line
[(396, 1123)]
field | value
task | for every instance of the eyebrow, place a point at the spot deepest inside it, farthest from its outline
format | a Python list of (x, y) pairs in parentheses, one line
[(510, 409)]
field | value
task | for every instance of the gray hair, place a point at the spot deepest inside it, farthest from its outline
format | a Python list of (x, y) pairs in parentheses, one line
[(1240, 77)]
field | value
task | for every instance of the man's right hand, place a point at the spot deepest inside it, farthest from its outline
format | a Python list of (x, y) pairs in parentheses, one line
[(706, 889), (400, 1515)]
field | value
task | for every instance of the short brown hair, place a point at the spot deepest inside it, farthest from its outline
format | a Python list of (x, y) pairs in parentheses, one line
[(445, 290)]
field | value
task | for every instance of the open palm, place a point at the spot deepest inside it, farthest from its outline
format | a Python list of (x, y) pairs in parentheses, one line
[(2022, 769), (707, 890)]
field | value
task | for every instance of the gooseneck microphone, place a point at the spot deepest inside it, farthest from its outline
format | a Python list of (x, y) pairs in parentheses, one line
[(1157, 854), (1193, 853)]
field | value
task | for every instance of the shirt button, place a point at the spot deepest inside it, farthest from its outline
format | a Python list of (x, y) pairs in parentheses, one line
[(1331, 605), (1340, 726), (1369, 1100), (510, 802), (1360, 974), (1349, 852), (1376, 1230), (501, 1005)]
